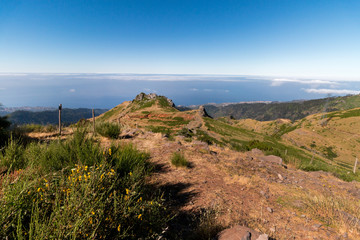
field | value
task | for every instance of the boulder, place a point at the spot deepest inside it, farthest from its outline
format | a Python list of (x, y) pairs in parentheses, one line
[(273, 159), (241, 233), (130, 133)]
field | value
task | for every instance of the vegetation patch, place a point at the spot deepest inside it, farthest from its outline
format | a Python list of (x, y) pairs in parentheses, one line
[(204, 137), (284, 128), (160, 129), (329, 152), (138, 105), (346, 114), (178, 160), (107, 129), (176, 121)]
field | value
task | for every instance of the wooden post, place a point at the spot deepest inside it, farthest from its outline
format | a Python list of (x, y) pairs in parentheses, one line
[(93, 115), (60, 108), (356, 161), (312, 159)]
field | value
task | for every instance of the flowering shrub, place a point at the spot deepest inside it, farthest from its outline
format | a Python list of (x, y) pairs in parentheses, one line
[(106, 200)]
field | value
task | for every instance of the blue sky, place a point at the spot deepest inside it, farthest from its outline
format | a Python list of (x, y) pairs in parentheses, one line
[(302, 40), (284, 38)]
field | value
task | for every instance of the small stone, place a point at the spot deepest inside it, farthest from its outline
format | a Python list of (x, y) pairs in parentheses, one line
[(280, 177), (272, 229), (263, 237), (303, 216), (270, 210), (345, 235), (316, 226)]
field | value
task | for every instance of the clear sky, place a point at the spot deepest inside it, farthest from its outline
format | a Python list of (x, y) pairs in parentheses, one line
[(302, 38)]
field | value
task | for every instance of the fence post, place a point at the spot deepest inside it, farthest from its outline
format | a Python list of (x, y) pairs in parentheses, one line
[(356, 161), (93, 116), (60, 108)]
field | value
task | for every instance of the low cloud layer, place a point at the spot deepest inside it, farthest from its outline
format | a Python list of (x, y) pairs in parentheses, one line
[(280, 81), (331, 91)]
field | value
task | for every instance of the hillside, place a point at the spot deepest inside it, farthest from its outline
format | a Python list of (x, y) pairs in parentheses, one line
[(290, 110), (244, 171)]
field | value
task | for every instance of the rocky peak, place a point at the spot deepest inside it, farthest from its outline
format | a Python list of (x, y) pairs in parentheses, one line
[(145, 97)]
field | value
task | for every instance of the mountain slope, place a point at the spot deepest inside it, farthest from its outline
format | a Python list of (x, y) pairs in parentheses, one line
[(290, 110)]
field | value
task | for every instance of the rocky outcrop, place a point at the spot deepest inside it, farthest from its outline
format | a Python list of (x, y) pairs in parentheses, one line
[(145, 97), (202, 112)]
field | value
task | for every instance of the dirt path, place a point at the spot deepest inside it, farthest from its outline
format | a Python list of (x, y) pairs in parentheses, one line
[(243, 188)]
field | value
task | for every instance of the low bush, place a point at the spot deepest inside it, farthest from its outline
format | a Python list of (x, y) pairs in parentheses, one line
[(110, 130)]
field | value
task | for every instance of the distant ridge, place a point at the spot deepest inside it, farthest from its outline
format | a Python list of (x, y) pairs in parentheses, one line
[(69, 116), (294, 110)]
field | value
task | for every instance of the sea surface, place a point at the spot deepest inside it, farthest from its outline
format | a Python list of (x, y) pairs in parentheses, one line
[(109, 90)]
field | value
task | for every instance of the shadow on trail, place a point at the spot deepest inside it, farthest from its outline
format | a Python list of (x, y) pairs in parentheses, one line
[(185, 224)]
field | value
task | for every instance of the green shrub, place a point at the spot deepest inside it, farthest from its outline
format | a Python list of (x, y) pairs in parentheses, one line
[(86, 193), (179, 160), (110, 130)]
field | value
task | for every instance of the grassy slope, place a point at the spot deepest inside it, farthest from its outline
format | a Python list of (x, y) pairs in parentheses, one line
[(304, 143)]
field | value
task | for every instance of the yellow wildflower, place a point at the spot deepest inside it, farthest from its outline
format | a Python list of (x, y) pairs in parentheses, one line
[(110, 151), (118, 228), (130, 173), (139, 216), (127, 191)]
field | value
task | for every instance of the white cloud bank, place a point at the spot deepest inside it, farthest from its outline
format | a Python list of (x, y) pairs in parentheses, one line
[(331, 91), (280, 81), (72, 90)]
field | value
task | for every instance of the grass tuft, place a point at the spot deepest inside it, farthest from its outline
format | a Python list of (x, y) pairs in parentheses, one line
[(178, 160)]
